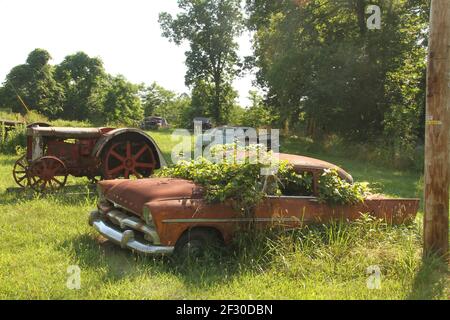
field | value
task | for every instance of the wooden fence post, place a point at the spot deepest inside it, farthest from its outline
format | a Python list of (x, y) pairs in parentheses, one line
[(437, 134)]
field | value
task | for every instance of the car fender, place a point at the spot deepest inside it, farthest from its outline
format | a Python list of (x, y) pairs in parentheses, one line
[(173, 217)]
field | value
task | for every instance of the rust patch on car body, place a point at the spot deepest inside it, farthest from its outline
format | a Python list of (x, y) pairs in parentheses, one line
[(133, 194)]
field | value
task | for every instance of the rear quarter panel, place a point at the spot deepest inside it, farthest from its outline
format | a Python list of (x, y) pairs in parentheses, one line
[(173, 217)]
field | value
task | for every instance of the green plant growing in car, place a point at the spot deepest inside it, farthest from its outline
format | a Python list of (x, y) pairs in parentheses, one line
[(243, 183)]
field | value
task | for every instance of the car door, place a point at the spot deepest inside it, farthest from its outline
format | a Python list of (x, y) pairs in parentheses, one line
[(291, 211)]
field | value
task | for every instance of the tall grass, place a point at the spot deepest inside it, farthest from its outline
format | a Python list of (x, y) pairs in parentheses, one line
[(330, 261)]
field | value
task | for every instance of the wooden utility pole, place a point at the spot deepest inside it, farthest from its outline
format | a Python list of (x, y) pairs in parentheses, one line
[(437, 133)]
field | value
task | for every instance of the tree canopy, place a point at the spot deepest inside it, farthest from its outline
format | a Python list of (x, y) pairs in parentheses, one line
[(122, 103), (319, 62), (34, 82), (210, 27), (78, 88), (159, 101), (81, 77)]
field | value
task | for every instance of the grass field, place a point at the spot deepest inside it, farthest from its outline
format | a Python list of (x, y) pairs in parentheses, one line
[(41, 236)]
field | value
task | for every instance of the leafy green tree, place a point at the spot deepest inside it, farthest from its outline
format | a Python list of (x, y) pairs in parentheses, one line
[(175, 110), (203, 96), (3, 97), (257, 115), (35, 84), (85, 82), (236, 115), (318, 61), (122, 103), (154, 96), (159, 101), (210, 27)]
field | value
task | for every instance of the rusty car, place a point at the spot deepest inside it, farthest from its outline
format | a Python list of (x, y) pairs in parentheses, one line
[(52, 153), (232, 134), (154, 123), (165, 215)]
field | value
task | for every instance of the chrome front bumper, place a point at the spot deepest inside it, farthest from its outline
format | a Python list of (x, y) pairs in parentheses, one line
[(125, 238)]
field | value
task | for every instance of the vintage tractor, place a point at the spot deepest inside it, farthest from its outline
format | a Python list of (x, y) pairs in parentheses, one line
[(107, 153)]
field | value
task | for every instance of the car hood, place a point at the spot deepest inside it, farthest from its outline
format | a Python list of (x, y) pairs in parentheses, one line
[(133, 194)]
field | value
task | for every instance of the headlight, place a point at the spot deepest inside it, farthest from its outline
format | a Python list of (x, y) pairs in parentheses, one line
[(101, 195), (148, 216), (103, 205)]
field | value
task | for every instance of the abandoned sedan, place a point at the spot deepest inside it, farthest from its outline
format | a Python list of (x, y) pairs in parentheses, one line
[(162, 215)]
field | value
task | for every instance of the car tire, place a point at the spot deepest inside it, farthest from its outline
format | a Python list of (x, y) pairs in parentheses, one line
[(194, 244)]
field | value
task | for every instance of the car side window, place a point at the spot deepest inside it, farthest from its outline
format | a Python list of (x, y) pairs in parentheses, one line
[(303, 187)]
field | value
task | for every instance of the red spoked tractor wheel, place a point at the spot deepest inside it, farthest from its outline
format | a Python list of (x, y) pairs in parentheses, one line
[(47, 173), (20, 172), (127, 159)]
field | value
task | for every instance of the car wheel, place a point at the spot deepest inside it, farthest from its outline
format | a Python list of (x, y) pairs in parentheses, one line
[(195, 243)]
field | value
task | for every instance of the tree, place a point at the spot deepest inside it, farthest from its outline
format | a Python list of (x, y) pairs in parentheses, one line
[(257, 115), (155, 96), (159, 101), (84, 81), (35, 84), (122, 103), (317, 60), (203, 96), (175, 110), (210, 27)]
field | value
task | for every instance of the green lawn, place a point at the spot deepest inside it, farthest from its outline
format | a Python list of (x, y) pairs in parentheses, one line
[(42, 236)]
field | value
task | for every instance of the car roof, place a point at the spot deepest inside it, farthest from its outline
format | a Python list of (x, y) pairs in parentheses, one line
[(233, 127), (306, 163)]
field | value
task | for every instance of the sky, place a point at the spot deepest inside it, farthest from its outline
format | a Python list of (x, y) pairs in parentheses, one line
[(124, 34)]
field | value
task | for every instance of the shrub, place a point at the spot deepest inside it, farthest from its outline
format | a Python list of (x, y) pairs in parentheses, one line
[(71, 123), (244, 184), (14, 141), (333, 189), (34, 116)]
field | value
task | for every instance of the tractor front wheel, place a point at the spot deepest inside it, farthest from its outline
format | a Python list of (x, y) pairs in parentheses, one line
[(20, 172), (47, 173)]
